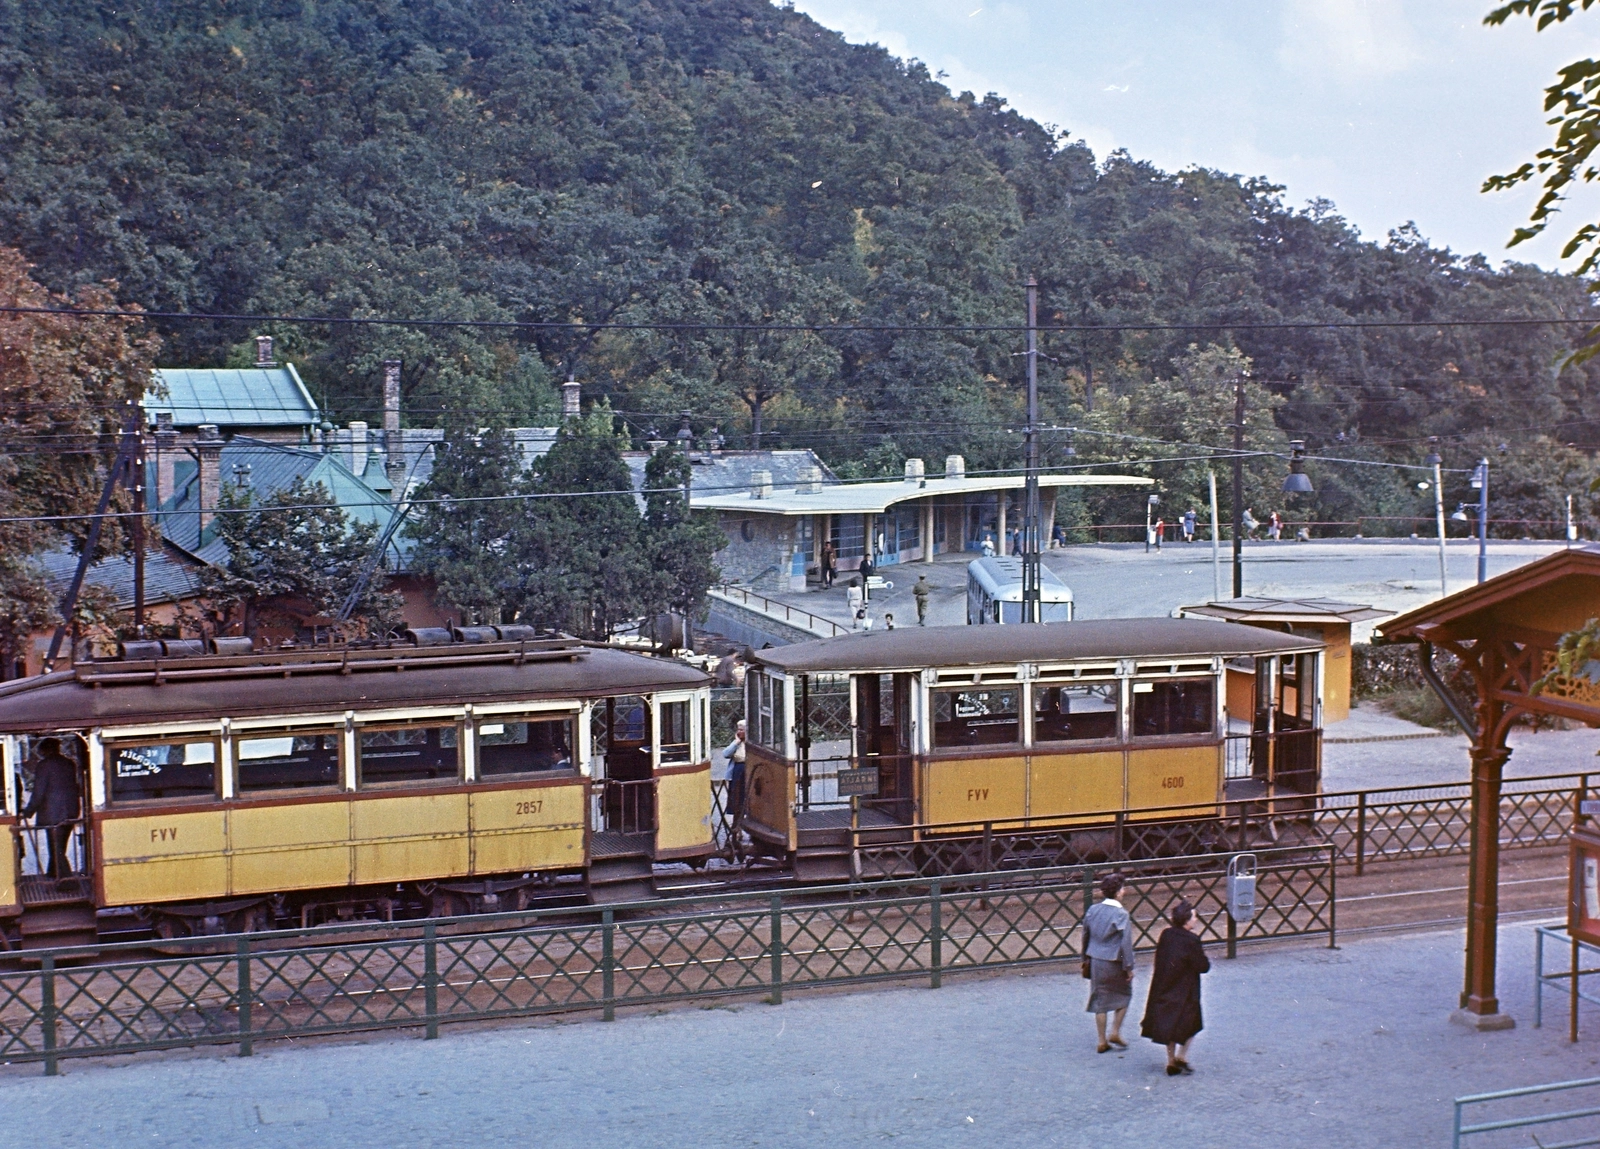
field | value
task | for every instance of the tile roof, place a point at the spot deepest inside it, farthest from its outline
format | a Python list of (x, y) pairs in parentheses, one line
[(168, 575)]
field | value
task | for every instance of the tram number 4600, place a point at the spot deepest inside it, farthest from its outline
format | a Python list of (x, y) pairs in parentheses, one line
[(1173, 783), (530, 807)]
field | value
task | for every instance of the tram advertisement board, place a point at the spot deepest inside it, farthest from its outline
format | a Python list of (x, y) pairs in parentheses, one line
[(1583, 884)]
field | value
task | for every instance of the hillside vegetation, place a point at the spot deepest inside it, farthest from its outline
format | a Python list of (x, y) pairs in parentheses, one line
[(689, 161)]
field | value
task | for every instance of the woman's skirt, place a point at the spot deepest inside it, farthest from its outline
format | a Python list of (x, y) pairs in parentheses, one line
[(1110, 986)]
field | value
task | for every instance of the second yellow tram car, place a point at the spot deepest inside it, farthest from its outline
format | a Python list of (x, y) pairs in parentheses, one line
[(1023, 727)]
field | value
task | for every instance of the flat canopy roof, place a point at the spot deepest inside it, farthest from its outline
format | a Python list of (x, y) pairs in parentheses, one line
[(913, 648), (875, 498), (62, 702), (1290, 610)]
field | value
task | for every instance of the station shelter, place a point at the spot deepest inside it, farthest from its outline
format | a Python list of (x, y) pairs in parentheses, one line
[(1319, 618), (1506, 633)]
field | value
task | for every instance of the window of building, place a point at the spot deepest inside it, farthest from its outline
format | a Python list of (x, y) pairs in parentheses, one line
[(975, 716), (287, 760), (409, 754), (1074, 713), (525, 745), (677, 745), (155, 770), (907, 527), (1182, 706), (849, 534)]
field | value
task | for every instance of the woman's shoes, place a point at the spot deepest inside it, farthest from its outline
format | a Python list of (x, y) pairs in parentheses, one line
[(1185, 1067), (1118, 1042), (1103, 1048), (1174, 1070)]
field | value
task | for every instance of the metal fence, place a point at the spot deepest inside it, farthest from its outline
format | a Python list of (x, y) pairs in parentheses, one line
[(1510, 1127), (423, 974)]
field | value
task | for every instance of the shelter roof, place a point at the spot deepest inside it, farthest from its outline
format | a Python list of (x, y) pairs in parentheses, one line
[(877, 497), (912, 648), (62, 701), (232, 397), (1289, 610), (1545, 598)]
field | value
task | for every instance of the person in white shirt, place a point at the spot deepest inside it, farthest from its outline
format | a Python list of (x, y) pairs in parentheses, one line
[(734, 757)]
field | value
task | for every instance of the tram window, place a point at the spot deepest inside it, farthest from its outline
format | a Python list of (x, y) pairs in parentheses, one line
[(974, 717), (1070, 713), (524, 746), (162, 770), (1185, 706), (412, 754), (676, 747), (764, 706), (288, 760)]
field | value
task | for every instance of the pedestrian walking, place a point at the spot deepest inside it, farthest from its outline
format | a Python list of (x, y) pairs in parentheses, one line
[(1189, 517), (830, 563), (863, 619), (1172, 1012), (1108, 962), (1161, 530), (921, 591), (988, 546), (55, 803), (1248, 519), (1275, 526)]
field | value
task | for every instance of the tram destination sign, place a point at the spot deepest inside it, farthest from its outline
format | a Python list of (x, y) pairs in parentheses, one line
[(858, 783)]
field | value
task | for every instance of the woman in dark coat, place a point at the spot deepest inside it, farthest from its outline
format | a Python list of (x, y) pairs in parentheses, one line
[(1172, 1011)]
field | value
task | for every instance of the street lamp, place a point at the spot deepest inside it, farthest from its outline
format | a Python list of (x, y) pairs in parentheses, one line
[(1150, 505), (1297, 482), (1480, 483), (1436, 461)]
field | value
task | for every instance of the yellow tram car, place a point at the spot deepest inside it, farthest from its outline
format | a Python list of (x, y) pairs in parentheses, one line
[(456, 771), (956, 729)]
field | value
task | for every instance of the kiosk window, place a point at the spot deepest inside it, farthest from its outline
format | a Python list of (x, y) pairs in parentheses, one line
[(524, 746), (973, 716), (288, 761), (414, 754), (1186, 706), (1070, 713), (151, 770)]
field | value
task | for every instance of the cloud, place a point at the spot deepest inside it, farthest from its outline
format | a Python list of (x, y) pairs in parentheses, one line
[(1350, 39)]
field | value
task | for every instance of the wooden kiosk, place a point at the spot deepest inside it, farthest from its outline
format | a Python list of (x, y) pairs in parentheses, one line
[(1505, 632)]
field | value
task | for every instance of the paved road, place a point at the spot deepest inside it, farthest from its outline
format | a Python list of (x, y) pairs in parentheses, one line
[(1367, 765), (1122, 581), (1303, 1046)]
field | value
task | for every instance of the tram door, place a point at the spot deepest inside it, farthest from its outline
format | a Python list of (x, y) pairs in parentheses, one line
[(628, 793), (883, 736)]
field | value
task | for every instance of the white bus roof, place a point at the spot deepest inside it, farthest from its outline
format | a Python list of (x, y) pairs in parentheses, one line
[(1001, 578)]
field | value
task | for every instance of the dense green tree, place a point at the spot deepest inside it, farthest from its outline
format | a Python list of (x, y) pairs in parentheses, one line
[(677, 544)]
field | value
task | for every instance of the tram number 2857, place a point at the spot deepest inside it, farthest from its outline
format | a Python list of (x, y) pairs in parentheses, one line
[(530, 807), (1172, 782)]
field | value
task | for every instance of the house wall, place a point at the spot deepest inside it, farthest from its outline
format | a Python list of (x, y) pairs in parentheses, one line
[(760, 548)]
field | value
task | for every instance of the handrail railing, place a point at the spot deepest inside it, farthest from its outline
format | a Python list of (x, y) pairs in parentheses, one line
[(770, 607), (1528, 1121)]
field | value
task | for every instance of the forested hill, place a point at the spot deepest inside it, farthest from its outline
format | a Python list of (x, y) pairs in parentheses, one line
[(727, 160)]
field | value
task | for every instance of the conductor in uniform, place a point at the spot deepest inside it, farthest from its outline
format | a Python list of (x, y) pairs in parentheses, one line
[(55, 802)]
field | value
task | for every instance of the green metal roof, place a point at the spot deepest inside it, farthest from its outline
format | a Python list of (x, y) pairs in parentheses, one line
[(232, 397)]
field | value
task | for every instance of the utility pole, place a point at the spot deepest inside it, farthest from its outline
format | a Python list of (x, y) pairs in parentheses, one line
[(1437, 461), (136, 479), (1031, 611), (1238, 486), (1480, 480), (1216, 540)]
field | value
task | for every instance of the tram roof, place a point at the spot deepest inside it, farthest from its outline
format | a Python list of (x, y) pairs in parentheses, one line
[(913, 648), (199, 689)]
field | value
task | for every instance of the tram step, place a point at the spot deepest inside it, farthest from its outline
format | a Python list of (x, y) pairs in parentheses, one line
[(54, 927), (625, 879), (821, 866)]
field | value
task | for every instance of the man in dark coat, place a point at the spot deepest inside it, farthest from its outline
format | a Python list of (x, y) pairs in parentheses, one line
[(1172, 1011), (55, 802)]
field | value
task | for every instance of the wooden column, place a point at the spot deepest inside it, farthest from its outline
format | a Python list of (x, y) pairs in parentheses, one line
[(1480, 1008)]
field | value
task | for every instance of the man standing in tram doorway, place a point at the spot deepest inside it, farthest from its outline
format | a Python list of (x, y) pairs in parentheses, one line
[(922, 590), (55, 803)]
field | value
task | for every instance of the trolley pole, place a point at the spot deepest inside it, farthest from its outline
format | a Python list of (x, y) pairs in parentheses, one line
[(1031, 611)]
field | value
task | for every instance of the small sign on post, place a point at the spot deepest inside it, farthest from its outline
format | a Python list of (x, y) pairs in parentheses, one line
[(858, 783)]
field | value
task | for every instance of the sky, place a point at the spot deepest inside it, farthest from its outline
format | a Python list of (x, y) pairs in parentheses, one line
[(1396, 110)]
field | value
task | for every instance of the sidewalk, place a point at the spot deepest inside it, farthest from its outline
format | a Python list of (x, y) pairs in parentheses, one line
[(1303, 1046)]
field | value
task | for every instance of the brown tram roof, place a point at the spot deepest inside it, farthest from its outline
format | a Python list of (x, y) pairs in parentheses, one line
[(118, 693), (937, 646)]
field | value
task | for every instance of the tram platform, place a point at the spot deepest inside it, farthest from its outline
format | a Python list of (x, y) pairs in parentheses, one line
[(1346, 1048)]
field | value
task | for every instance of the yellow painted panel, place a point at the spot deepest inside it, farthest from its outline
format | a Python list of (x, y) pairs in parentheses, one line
[(8, 867), (1166, 776), (165, 880), (683, 810), (975, 790), (166, 835), (769, 795), (291, 868), (1074, 783), (410, 837), (276, 827), (537, 828)]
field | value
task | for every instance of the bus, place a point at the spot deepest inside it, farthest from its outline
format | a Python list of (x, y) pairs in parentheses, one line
[(994, 592)]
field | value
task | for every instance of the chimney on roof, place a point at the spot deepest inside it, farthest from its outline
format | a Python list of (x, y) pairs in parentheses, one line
[(166, 457), (761, 484), (393, 444), (355, 454), (955, 467), (264, 351), (571, 398), (810, 481), (208, 448), (916, 472)]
